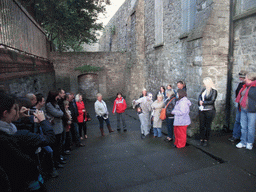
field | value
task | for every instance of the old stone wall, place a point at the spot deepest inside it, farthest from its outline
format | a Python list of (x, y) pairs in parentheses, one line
[(21, 74), (110, 79)]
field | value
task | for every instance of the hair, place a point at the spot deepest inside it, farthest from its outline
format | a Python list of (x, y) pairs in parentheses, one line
[(119, 93), (162, 87), (39, 98), (169, 85), (160, 95), (182, 93), (99, 95), (67, 96), (170, 92), (242, 73), (181, 82), (65, 102), (51, 97), (23, 102), (7, 102), (77, 97), (208, 84), (30, 96), (60, 89), (251, 76)]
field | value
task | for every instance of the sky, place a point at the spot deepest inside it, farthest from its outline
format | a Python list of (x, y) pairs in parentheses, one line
[(111, 10)]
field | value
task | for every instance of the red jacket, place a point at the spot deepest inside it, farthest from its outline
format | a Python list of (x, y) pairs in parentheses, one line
[(81, 115), (119, 105)]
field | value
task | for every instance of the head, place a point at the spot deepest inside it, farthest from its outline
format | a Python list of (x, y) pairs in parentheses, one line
[(182, 93), (208, 83), (162, 89), (180, 84), (52, 97), (144, 92), (149, 96), (40, 101), (99, 97), (32, 99), (169, 87), (79, 97), (9, 110), (68, 97), (170, 93), (61, 93), (119, 95), (251, 76), (66, 104), (159, 97), (242, 75), (72, 95)]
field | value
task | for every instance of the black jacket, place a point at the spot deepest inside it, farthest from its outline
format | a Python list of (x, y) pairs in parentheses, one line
[(209, 100), (170, 107), (73, 110)]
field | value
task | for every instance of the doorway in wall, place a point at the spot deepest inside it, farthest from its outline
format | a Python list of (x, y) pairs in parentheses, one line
[(88, 85)]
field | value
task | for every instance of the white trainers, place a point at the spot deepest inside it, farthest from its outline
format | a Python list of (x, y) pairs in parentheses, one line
[(249, 146), (240, 145)]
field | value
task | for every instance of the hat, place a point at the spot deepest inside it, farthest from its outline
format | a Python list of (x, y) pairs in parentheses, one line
[(242, 73)]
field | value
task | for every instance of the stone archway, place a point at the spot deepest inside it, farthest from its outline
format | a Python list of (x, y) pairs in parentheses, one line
[(88, 85)]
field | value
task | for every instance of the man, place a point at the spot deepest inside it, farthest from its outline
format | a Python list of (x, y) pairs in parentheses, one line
[(181, 85), (237, 126), (32, 99)]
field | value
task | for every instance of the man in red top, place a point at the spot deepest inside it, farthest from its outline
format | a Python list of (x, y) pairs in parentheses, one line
[(119, 108)]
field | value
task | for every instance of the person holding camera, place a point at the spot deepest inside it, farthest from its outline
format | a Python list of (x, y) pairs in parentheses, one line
[(101, 111)]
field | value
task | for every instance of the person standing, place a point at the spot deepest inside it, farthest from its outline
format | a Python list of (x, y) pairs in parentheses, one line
[(157, 106), (101, 111), (144, 114), (247, 100), (207, 110), (82, 116), (119, 108), (237, 125), (181, 119)]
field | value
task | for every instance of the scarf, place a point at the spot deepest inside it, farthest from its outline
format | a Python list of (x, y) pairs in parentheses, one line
[(249, 85), (8, 128)]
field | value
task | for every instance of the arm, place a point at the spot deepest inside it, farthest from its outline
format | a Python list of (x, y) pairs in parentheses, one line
[(125, 105), (53, 111), (180, 109), (212, 99), (114, 107)]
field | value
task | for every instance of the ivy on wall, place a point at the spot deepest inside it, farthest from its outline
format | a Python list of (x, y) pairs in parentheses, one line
[(88, 68)]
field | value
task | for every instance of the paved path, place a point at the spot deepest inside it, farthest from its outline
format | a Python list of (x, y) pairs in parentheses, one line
[(124, 162)]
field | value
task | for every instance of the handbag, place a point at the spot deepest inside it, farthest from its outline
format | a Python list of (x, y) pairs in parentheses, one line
[(163, 111)]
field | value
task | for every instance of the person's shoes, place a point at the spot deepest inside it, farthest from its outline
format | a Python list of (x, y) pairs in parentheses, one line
[(85, 136), (233, 139), (60, 166), (118, 129), (205, 143), (67, 152), (142, 136), (154, 136), (54, 173), (168, 140), (125, 130), (249, 146), (201, 142), (80, 145), (240, 145), (62, 158), (81, 138)]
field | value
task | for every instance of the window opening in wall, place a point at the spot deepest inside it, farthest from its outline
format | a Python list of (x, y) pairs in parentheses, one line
[(159, 37), (243, 6), (188, 15)]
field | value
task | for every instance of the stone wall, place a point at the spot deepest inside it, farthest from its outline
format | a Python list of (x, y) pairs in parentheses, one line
[(21, 74), (110, 80)]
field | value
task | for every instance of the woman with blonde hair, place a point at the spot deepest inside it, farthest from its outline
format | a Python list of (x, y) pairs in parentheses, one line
[(207, 110)]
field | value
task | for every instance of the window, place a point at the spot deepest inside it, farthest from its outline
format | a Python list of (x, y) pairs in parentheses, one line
[(243, 6), (188, 15), (159, 22)]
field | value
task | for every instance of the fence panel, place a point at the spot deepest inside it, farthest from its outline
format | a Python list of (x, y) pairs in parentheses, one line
[(19, 30)]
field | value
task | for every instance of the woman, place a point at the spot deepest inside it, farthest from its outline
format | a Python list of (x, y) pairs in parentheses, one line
[(247, 100), (162, 91), (120, 107), (170, 103), (55, 115), (67, 125), (145, 106), (18, 147), (157, 122), (101, 111), (181, 119), (82, 116), (207, 110)]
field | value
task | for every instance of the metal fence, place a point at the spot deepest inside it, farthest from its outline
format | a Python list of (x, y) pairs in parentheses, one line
[(19, 31), (243, 6)]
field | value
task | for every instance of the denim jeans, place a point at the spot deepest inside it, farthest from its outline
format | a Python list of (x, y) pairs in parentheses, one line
[(75, 133), (237, 125), (101, 120), (169, 123), (248, 121), (157, 132), (122, 116)]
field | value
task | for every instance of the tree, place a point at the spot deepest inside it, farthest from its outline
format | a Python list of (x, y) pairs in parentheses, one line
[(68, 23)]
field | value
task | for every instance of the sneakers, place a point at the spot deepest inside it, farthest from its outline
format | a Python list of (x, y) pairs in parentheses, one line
[(240, 145), (249, 146), (233, 139)]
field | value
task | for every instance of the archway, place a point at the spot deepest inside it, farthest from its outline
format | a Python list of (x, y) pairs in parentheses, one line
[(88, 85)]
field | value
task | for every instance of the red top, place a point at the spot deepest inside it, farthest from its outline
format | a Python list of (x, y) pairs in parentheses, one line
[(81, 117), (119, 105)]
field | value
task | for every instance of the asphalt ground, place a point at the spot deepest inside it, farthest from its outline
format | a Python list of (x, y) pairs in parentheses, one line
[(122, 161)]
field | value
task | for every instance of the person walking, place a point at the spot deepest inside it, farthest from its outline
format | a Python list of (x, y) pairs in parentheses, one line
[(181, 119), (119, 108), (207, 110), (247, 100), (157, 106), (101, 111)]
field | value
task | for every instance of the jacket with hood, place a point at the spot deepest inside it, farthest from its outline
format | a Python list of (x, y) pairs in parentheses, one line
[(119, 105), (181, 112)]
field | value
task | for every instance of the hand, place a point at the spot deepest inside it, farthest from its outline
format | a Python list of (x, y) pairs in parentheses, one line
[(23, 112), (39, 115), (83, 111), (201, 102)]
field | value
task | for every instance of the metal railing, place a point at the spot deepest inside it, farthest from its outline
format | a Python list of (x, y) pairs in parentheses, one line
[(243, 6), (18, 30)]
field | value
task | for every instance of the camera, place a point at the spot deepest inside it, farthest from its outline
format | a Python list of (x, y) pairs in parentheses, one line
[(31, 111)]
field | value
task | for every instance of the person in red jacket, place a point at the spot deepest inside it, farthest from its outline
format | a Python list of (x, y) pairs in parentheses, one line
[(119, 108), (82, 116)]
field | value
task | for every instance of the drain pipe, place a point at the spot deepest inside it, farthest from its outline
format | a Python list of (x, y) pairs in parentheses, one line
[(230, 64)]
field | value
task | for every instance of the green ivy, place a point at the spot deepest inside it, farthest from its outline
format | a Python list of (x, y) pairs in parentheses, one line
[(88, 68)]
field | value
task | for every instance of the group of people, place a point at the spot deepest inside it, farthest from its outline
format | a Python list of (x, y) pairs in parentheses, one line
[(35, 135), (176, 108)]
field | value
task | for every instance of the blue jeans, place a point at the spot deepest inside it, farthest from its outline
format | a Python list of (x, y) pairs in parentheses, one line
[(169, 123), (157, 132), (248, 121), (237, 125)]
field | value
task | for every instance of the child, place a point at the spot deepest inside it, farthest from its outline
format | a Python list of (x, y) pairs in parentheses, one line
[(120, 107)]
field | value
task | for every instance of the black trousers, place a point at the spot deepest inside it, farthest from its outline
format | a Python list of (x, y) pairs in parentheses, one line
[(82, 126), (205, 119)]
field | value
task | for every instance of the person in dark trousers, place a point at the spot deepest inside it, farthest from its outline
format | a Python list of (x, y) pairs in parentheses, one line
[(237, 125)]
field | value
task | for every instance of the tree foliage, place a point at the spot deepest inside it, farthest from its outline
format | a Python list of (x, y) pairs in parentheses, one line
[(68, 23)]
